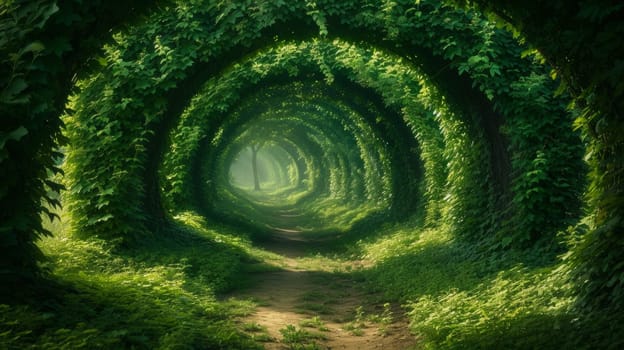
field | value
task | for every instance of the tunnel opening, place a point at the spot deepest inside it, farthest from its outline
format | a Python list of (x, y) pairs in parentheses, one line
[(327, 142), (425, 123), (259, 167)]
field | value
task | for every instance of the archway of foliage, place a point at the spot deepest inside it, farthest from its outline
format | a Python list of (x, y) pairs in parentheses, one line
[(356, 175), (336, 173), (476, 63), (344, 137), (469, 201), (338, 149), (301, 171)]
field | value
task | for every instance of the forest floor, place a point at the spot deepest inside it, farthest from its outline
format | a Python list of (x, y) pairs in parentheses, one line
[(314, 302), (205, 285)]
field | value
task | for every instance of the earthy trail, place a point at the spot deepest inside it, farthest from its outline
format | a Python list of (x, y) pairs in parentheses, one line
[(308, 306)]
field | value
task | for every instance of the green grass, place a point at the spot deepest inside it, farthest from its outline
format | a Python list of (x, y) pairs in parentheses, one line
[(299, 339), (314, 308), (169, 293), (163, 295), (253, 327), (314, 322), (257, 332), (317, 218), (458, 298)]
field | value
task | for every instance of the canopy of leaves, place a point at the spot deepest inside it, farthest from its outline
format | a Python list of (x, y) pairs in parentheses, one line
[(468, 127)]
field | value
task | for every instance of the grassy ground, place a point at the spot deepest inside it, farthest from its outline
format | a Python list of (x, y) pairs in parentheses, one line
[(316, 217), (159, 296), (457, 299), (170, 292)]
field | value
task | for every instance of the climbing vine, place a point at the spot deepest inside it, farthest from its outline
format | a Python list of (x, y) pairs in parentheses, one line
[(499, 158)]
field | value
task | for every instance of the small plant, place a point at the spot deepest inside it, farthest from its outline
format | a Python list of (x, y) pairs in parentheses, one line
[(292, 335), (384, 319), (386, 315), (253, 327), (240, 308), (359, 314), (299, 339), (356, 327), (262, 337), (314, 322)]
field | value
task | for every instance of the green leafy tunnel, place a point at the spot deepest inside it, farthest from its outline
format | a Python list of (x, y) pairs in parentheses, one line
[(501, 122)]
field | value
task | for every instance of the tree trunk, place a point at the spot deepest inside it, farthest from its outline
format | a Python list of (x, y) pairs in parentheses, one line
[(254, 166)]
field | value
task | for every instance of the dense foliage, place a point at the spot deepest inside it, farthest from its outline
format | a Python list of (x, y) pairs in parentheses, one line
[(159, 296), (43, 45), (580, 41), (466, 120)]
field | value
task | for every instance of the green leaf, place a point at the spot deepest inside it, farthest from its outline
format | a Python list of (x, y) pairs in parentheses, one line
[(102, 61), (97, 219), (14, 135), (45, 14), (494, 70), (108, 191), (506, 241), (473, 60), (16, 87), (34, 47)]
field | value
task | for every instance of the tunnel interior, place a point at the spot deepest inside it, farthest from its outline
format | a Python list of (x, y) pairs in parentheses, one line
[(370, 130), (327, 125)]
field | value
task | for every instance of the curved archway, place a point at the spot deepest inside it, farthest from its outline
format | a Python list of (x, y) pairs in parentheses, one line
[(474, 86)]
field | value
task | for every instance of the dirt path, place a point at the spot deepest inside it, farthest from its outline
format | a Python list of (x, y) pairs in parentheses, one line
[(308, 306)]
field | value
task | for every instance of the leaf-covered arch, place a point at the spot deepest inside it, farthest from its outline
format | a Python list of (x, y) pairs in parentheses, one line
[(33, 95)]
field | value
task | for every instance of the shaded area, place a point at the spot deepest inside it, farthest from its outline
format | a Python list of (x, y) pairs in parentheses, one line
[(315, 302), (502, 173), (99, 296)]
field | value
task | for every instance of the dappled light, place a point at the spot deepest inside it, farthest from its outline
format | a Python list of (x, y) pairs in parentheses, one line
[(354, 174)]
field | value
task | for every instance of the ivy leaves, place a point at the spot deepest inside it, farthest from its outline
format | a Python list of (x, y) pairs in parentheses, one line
[(118, 109), (14, 135), (142, 67)]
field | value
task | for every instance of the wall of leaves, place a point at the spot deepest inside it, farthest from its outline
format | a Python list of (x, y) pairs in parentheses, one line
[(464, 126)]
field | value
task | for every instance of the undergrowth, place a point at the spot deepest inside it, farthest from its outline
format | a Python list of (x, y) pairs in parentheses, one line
[(456, 298), (162, 295), (165, 293)]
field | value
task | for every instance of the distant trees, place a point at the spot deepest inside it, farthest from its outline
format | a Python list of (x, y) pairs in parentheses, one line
[(254, 164)]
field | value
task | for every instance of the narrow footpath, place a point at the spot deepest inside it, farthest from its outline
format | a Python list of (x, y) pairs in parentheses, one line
[(315, 303)]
